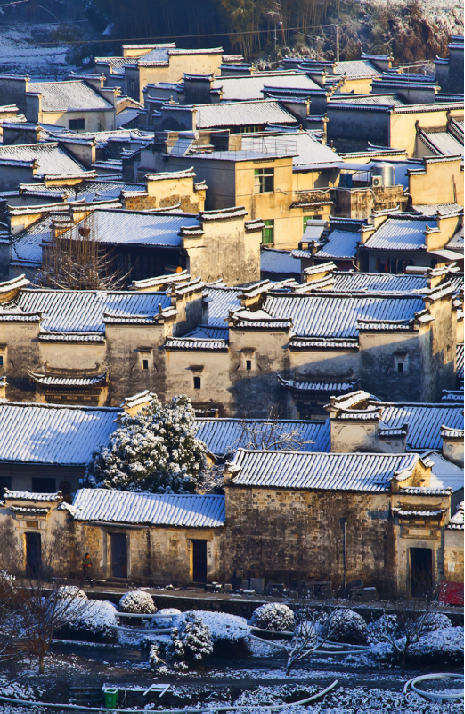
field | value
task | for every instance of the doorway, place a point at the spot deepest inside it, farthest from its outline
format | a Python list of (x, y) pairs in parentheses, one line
[(119, 566), (199, 561), (33, 555), (421, 572)]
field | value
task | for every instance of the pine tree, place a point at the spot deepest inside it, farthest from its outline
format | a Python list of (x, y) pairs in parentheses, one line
[(154, 450)]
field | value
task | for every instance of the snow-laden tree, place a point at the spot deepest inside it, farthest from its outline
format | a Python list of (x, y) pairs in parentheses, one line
[(153, 450), (190, 643)]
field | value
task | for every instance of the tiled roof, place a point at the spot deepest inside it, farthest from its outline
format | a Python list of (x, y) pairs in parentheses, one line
[(131, 228), (444, 473), (31, 496), (221, 299), (250, 87), (243, 113), (356, 68), (341, 472), (400, 234), (341, 244), (443, 143), (389, 99), (336, 315), (457, 520), (432, 209), (193, 511), (380, 282), (57, 381), (315, 385), (459, 360), (278, 261), (53, 434), (50, 157), (85, 310), (424, 421), (68, 97), (223, 436)]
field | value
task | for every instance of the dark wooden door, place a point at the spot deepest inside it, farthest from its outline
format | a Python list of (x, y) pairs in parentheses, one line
[(421, 572), (119, 568), (33, 554), (199, 561)]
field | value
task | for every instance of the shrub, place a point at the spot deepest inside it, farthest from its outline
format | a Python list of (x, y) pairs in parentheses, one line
[(346, 626), (273, 616), (190, 643), (443, 647), (379, 630), (91, 621), (229, 633), (137, 601)]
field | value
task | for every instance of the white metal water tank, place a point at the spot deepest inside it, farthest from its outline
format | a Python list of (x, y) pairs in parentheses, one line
[(382, 175)]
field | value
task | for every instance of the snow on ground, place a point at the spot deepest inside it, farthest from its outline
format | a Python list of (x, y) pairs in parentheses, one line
[(18, 56)]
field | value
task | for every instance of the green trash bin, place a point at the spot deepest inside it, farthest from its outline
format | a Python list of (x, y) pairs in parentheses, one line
[(111, 698)]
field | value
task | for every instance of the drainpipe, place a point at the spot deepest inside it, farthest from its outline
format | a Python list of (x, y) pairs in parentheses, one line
[(343, 522)]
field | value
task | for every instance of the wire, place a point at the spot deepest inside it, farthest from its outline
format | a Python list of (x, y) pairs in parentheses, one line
[(175, 37)]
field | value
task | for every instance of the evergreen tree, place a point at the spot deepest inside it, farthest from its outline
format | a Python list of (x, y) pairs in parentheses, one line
[(154, 450)]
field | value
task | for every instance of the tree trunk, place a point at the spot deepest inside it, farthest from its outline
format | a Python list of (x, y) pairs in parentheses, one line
[(41, 664)]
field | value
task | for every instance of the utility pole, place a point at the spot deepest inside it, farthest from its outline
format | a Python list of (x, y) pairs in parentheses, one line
[(337, 43)]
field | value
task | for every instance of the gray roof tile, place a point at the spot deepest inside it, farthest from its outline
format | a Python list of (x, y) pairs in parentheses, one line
[(336, 315), (53, 434), (68, 96), (243, 113), (223, 436), (341, 472), (193, 511), (85, 310), (424, 421), (51, 158), (401, 234)]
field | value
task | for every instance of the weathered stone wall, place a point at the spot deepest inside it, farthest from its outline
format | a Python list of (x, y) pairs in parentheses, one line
[(279, 534), (453, 556), (156, 555)]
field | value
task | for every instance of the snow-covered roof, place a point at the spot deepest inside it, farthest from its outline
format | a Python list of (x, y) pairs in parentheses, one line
[(340, 245), (432, 209), (443, 143), (278, 261), (84, 310), (31, 496), (382, 282), (68, 97), (445, 474), (52, 433), (424, 421), (380, 99), (221, 299), (302, 470), (131, 228), (223, 436), (401, 234), (189, 511), (356, 68), (50, 157), (336, 315), (251, 87), (259, 113), (457, 520)]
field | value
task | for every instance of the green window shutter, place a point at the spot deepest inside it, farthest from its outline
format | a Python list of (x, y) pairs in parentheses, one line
[(268, 232)]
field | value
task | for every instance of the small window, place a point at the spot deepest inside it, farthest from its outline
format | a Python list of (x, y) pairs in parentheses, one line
[(145, 364), (264, 180), (268, 232), (1, 360), (43, 485), (77, 124), (248, 365), (401, 363), (196, 382)]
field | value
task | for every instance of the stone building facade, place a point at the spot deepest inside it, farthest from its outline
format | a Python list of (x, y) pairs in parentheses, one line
[(170, 335)]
